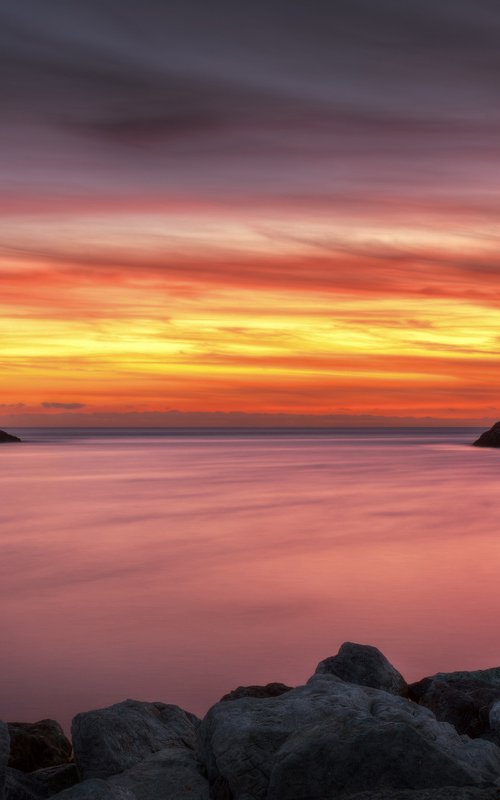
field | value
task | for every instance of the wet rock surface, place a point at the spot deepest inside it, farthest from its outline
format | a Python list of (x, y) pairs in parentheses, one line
[(349, 732)]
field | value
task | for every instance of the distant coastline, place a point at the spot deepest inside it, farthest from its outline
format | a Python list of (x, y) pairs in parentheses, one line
[(288, 429), (356, 435), (246, 431), (207, 420)]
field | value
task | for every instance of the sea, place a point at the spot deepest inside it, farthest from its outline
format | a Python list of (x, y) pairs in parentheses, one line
[(176, 565)]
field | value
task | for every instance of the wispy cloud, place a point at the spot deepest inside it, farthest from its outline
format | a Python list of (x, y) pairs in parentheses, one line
[(64, 406)]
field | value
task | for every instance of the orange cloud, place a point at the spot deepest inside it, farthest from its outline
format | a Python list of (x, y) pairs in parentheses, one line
[(392, 331)]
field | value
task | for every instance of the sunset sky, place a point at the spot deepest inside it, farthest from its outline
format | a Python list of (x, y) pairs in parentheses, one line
[(227, 212)]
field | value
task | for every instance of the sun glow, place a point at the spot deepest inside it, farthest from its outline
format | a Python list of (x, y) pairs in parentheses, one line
[(214, 322)]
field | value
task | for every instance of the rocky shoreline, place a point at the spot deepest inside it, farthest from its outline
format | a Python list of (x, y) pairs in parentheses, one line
[(6, 438), (355, 730), (490, 438)]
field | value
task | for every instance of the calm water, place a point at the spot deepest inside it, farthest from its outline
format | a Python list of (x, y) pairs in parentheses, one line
[(175, 567)]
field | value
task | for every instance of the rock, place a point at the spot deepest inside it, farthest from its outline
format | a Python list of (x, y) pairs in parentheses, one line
[(35, 745), (489, 438), (330, 739), (21, 786), (365, 666), (489, 676), (4, 755), (172, 774), (447, 793), (464, 699), (58, 778), (110, 740), (494, 718), (269, 690), (358, 758), (7, 437), (95, 789)]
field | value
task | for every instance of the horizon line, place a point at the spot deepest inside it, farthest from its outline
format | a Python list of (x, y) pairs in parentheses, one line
[(435, 424)]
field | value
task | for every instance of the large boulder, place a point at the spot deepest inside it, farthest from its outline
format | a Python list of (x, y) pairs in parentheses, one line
[(365, 753), (95, 789), (57, 778), (490, 676), (22, 786), (172, 774), (447, 793), (330, 739), (490, 438), (364, 665), (35, 745), (464, 699), (5, 438), (110, 740)]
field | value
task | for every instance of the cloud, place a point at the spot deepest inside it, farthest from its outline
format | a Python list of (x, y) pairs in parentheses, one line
[(64, 406), (215, 163), (315, 265), (165, 98)]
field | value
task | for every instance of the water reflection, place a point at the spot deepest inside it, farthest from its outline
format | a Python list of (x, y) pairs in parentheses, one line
[(175, 568)]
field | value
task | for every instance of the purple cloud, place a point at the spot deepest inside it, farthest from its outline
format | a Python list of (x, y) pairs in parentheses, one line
[(64, 406)]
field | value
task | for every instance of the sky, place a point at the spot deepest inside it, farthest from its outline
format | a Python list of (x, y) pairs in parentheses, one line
[(231, 213)]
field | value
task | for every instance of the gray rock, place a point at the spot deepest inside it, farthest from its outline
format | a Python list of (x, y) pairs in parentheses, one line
[(330, 739), (447, 793), (110, 740), (321, 760), (269, 690), (95, 789), (21, 786), (366, 666), (494, 718), (489, 438), (58, 778), (4, 755), (490, 676), (172, 774), (35, 745), (462, 699), (5, 438)]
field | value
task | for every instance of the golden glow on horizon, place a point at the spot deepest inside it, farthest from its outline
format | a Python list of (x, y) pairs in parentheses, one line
[(215, 322)]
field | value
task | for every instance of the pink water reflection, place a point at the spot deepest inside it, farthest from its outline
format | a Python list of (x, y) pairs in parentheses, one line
[(175, 569)]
